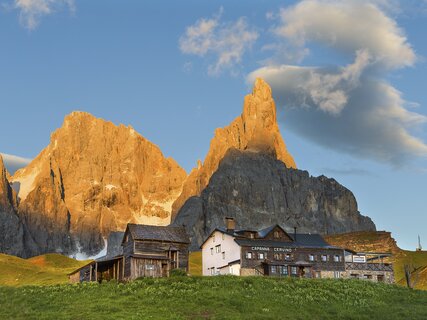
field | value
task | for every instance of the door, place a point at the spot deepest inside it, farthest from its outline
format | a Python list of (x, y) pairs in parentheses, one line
[(164, 270)]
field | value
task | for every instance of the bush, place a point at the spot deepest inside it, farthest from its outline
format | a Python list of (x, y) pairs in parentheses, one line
[(178, 273)]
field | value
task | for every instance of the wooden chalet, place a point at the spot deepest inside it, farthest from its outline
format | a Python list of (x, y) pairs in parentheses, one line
[(148, 251)]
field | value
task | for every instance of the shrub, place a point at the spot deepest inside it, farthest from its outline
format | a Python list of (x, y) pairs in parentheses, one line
[(178, 273)]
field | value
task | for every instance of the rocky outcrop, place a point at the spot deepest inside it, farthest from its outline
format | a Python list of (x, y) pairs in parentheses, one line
[(114, 244), (256, 129), (14, 239), (94, 178), (258, 191)]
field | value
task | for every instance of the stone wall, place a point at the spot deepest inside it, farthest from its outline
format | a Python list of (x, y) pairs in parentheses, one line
[(388, 277)]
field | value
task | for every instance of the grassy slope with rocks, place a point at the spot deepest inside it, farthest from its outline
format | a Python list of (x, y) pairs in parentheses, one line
[(381, 241)]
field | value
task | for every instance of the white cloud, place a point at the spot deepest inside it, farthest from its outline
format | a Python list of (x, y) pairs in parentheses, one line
[(226, 41), (13, 163), (347, 26), (349, 108), (31, 11)]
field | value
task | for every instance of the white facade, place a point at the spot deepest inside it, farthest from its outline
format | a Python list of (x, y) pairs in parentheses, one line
[(217, 253)]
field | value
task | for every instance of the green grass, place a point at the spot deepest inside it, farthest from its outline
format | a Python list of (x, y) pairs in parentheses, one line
[(215, 298), (41, 270)]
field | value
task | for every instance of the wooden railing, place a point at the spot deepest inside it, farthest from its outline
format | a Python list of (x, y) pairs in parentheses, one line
[(369, 266)]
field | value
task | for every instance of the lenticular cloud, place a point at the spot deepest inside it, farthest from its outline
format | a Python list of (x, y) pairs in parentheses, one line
[(350, 108)]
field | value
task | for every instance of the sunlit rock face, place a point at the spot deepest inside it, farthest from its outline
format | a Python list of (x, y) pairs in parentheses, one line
[(256, 129), (259, 191), (93, 178)]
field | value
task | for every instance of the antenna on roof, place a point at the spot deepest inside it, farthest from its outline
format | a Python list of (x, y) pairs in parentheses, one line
[(419, 248)]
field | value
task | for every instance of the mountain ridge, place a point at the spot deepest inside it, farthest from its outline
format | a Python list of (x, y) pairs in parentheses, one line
[(255, 129), (94, 177)]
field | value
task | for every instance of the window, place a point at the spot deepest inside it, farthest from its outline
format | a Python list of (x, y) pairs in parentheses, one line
[(337, 258), (251, 235), (149, 267), (294, 271), (310, 257), (261, 256), (248, 255), (223, 255), (213, 238), (273, 269), (127, 238), (212, 271), (318, 274), (367, 276), (354, 275), (337, 274), (288, 257), (276, 234), (324, 257), (218, 248), (284, 270), (380, 278), (277, 256), (212, 251)]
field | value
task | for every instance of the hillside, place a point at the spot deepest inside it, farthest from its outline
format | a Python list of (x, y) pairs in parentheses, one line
[(216, 298), (47, 269), (382, 241)]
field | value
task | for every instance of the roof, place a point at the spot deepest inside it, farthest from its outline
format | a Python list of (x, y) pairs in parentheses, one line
[(82, 267), (303, 240), (263, 232), (158, 233), (230, 263), (307, 240)]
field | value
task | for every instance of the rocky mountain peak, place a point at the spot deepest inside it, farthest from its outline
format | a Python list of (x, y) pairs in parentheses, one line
[(261, 90), (7, 196), (93, 178), (256, 129), (258, 191)]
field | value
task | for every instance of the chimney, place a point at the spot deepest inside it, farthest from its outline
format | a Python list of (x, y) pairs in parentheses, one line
[(230, 224), (295, 233)]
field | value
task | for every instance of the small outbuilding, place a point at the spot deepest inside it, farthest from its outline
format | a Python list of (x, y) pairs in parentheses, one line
[(148, 251)]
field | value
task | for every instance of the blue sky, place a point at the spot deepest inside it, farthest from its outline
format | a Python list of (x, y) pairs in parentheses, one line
[(349, 85)]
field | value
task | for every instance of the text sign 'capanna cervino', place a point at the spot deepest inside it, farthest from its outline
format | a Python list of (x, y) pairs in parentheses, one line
[(273, 249)]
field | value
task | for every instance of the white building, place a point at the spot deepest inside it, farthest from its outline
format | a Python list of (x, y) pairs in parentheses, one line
[(271, 252)]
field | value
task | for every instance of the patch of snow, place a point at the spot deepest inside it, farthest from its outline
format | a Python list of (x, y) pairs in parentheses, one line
[(26, 183), (80, 255)]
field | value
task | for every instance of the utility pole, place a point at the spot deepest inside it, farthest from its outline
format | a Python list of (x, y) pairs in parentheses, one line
[(419, 248)]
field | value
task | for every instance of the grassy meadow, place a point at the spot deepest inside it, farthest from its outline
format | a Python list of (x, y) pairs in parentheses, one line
[(47, 269), (222, 297)]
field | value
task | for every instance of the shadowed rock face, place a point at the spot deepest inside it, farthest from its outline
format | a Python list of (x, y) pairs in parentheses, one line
[(256, 129), (14, 238), (258, 191)]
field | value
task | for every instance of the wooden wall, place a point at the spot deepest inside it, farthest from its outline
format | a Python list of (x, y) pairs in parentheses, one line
[(297, 254)]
